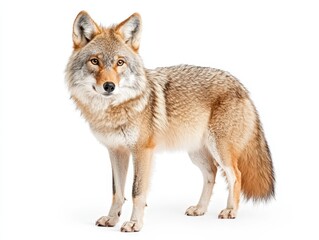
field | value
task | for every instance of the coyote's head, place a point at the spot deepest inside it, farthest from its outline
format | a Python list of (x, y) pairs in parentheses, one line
[(105, 61)]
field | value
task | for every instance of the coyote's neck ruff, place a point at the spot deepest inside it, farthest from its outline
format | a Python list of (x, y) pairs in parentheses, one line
[(134, 111)]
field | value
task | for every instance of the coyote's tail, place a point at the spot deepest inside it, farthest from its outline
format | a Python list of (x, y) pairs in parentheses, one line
[(255, 165)]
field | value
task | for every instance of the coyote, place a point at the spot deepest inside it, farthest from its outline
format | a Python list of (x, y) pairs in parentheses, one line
[(136, 111)]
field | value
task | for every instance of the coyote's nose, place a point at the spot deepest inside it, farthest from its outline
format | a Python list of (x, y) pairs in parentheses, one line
[(109, 87)]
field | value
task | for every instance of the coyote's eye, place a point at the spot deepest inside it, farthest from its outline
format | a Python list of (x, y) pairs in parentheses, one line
[(95, 61), (120, 62)]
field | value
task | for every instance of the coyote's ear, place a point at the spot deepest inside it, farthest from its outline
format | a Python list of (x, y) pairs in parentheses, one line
[(130, 31), (84, 29)]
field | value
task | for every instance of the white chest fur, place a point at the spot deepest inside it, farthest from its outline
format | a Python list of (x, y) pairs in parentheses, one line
[(116, 138)]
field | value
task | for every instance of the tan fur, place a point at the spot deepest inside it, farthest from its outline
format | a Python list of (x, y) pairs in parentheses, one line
[(256, 168), (204, 111)]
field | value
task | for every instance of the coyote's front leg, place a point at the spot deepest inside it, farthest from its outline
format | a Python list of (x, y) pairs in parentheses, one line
[(142, 166), (119, 160)]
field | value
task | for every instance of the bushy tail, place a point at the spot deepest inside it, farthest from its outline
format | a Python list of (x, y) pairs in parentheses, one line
[(255, 165)]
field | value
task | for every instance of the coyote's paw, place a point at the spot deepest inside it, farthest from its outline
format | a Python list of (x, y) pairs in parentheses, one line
[(107, 221), (131, 226), (195, 211), (227, 213)]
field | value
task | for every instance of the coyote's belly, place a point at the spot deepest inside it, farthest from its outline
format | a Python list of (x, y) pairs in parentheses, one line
[(184, 134)]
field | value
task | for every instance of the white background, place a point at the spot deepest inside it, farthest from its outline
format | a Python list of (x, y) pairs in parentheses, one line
[(56, 178)]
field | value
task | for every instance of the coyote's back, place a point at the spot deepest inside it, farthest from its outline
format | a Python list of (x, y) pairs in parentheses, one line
[(136, 111)]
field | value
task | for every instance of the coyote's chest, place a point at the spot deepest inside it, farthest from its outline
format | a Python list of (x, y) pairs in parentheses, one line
[(119, 137)]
